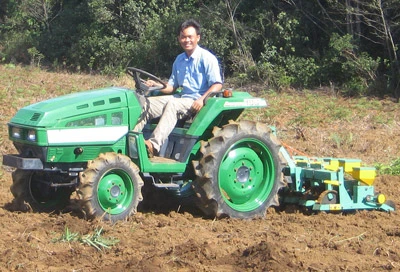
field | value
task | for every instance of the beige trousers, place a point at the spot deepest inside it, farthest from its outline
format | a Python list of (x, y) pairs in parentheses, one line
[(170, 109)]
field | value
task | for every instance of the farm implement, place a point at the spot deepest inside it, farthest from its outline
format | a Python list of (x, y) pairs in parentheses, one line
[(331, 184), (84, 142)]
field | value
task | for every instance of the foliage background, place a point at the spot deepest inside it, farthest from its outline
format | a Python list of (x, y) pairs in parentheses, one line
[(349, 45)]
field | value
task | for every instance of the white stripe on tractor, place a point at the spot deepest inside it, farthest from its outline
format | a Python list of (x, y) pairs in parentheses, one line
[(86, 135)]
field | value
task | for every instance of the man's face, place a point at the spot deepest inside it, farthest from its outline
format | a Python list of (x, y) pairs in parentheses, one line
[(188, 39)]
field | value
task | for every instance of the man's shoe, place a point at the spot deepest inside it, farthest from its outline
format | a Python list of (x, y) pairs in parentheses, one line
[(149, 148)]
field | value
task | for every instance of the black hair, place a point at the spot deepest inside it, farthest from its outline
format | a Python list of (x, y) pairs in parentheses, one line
[(189, 23)]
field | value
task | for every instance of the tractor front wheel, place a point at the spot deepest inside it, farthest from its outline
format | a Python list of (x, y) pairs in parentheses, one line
[(32, 190), (110, 187), (240, 173)]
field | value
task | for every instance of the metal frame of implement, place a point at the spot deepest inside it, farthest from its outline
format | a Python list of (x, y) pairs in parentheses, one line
[(330, 184)]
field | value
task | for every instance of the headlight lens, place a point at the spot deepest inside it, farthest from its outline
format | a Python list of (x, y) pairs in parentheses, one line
[(31, 136), (16, 132), (23, 134)]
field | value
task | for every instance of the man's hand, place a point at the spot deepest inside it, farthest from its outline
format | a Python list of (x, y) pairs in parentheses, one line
[(198, 104), (152, 83)]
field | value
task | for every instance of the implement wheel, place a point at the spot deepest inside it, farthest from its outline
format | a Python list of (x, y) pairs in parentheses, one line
[(239, 174), (110, 187), (32, 191)]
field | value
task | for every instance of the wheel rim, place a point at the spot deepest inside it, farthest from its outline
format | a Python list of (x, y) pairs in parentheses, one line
[(246, 175), (115, 191)]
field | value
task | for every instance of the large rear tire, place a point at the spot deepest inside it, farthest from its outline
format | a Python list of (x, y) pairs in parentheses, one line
[(110, 187), (240, 172), (32, 191)]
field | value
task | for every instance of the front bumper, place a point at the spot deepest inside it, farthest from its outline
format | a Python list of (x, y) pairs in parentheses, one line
[(22, 163)]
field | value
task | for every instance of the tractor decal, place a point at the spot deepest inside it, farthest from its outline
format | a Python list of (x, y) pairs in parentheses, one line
[(246, 103)]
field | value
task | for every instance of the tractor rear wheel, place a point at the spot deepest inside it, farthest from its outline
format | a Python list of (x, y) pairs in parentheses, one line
[(110, 187), (240, 172), (32, 191)]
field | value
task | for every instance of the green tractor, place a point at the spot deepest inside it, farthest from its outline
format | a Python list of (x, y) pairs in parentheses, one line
[(85, 142)]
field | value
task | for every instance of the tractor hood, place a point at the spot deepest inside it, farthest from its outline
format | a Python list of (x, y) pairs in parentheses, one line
[(49, 112)]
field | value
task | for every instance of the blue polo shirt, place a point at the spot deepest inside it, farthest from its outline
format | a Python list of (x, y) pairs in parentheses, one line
[(195, 74)]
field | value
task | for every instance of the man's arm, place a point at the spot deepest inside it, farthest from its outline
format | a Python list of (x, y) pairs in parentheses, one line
[(168, 90), (199, 103)]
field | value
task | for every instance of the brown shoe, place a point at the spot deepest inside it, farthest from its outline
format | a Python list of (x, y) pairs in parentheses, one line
[(149, 148)]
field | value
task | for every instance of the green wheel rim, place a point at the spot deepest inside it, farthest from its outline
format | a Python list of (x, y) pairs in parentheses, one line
[(115, 192), (246, 175)]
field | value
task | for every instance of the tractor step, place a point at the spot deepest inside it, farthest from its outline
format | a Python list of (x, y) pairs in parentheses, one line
[(166, 185), (159, 184)]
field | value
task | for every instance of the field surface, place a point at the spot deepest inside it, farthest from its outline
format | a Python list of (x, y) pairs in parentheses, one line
[(177, 238)]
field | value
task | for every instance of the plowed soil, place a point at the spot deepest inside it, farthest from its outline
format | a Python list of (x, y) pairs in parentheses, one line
[(178, 238)]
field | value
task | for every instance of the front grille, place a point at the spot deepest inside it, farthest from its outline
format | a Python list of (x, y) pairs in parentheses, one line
[(31, 151)]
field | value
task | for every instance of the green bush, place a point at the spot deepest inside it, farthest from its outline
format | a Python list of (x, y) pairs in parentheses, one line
[(392, 169), (351, 70)]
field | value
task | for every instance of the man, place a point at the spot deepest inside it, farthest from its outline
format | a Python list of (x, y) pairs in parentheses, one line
[(196, 72)]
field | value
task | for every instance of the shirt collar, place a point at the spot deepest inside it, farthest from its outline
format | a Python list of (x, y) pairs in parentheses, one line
[(195, 54)]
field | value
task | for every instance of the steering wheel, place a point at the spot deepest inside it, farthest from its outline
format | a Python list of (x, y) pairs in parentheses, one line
[(141, 87)]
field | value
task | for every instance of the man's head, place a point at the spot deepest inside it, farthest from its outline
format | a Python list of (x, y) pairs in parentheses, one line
[(189, 23), (189, 35)]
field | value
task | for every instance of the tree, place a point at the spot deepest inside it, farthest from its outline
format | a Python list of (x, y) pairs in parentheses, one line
[(43, 11), (373, 24), (283, 43), (381, 19)]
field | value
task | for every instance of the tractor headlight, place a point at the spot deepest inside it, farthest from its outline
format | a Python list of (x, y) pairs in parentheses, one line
[(31, 136), (16, 132)]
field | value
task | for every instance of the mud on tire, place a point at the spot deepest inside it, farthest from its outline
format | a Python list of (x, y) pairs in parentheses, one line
[(240, 171), (110, 187)]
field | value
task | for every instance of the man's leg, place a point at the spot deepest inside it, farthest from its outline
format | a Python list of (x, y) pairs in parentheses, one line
[(153, 109), (175, 108)]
